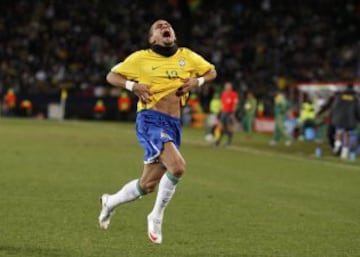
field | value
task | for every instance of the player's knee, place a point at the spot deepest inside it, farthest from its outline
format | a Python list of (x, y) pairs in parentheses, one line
[(179, 168), (148, 186)]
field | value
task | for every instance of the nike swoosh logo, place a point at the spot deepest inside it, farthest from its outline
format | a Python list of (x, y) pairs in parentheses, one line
[(155, 67), (153, 237)]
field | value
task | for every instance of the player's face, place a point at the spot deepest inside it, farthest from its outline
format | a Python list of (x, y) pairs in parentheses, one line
[(162, 33)]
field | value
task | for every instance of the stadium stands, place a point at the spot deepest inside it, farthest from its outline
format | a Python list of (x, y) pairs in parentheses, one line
[(46, 45)]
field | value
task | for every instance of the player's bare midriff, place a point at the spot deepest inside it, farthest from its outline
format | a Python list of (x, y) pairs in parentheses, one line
[(169, 105)]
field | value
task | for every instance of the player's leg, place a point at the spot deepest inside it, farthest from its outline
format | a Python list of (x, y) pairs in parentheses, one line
[(229, 129), (222, 120), (251, 123), (353, 144), (175, 164), (338, 140), (130, 191), (151, 176), (276, 134), (346, 143), (226, 129), (245, 123), (282, 131)]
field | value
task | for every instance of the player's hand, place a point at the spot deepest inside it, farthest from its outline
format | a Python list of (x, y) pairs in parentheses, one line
[(143, 92), (187, 85)]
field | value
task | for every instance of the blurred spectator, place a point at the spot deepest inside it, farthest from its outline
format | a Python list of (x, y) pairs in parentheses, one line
[(344, 115), (198, 117), (45, 45), (213, 126), (229, 104), (306, 119), (99, 110), (291, 123), (250, 105), (282, 107), (26, 108), (260, 109), (124, 106), (9, 103)]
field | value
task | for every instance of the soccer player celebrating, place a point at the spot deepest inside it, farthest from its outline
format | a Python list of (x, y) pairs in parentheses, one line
[(161, 78)]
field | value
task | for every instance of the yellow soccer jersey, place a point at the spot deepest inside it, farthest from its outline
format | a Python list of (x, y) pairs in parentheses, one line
[(162, 74)]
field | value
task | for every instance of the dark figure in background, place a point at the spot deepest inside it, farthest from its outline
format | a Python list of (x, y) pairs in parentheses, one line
[(344, 116)]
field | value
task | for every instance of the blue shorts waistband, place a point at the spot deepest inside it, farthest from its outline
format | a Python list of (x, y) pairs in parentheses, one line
[(159, 114)]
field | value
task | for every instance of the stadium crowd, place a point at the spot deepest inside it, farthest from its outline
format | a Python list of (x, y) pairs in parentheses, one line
[(259, 45)]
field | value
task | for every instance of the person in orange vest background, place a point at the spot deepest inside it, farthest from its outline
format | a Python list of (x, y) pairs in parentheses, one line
[(124, 106), (99, 109), (9, 103), (26, 107), (197, 115), (194, 103)]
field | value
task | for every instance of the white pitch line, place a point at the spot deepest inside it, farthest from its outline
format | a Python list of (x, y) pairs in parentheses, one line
[(284, 156)]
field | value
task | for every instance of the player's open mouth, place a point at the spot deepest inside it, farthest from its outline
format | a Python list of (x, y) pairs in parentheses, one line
[(166, 34)]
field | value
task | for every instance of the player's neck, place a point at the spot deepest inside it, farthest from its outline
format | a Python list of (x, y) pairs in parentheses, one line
[(166, 51)]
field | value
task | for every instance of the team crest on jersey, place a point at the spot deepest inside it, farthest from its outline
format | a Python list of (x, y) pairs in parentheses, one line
[(182, 62)]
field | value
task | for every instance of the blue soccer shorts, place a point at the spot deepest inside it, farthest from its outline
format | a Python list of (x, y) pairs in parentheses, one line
[(153, 129)]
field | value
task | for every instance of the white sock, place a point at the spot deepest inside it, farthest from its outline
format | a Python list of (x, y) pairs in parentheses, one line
[(344, 152), (337, 145), (129, 192), (166, 191)]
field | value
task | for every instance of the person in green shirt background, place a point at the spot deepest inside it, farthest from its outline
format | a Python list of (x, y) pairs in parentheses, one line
[(281, 108), (249, 113)]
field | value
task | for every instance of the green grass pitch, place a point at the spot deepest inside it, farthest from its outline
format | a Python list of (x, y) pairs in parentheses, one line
[(250, 200)]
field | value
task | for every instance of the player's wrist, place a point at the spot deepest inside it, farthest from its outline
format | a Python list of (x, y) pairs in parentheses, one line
[(129, 85), (201, 81)]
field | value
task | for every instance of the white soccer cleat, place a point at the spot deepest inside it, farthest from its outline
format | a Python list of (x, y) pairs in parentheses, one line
[(106, 212), (154, 229)]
